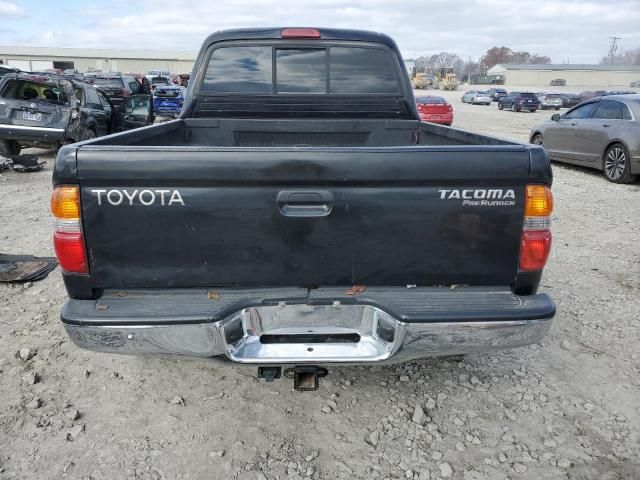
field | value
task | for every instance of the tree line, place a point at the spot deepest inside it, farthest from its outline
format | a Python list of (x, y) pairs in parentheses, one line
[(504, 55), (462, 68), (630, 57)]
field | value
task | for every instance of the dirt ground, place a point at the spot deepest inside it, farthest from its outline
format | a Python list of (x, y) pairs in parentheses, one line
[(566, 408)]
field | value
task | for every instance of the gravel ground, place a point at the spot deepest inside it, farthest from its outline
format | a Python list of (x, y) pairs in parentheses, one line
[(566, 408)]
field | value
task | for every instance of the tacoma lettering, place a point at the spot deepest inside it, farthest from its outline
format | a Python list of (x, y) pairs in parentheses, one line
[(478, 194), (482, 197)]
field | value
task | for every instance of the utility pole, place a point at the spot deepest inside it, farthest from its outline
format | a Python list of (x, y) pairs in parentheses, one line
[(612, 49)]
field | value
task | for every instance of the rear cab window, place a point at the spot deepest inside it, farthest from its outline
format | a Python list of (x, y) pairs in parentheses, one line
[(321, 70)]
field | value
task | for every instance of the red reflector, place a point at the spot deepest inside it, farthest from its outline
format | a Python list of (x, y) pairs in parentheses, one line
[(300, 33), (534, 249), (69, 249)]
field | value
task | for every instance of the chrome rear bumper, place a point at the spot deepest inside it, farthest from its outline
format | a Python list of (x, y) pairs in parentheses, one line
[(299, 334)]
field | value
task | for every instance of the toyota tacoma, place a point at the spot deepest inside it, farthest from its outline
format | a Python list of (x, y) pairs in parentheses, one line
[(299, 215)]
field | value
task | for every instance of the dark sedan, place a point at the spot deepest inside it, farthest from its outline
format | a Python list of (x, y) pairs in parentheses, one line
[(497, 93), (570, 100), (601, 133), (519, 101)]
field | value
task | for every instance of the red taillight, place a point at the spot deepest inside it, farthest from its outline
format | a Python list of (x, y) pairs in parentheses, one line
[(300, 33), (534, 249), (535, 243), (69, 249), (125, 92), (68, 241)]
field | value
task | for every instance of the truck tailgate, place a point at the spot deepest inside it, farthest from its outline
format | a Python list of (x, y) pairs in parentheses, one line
[(304, 217)]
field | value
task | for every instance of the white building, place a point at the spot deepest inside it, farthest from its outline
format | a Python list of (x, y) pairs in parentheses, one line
[(574, 75), (85, 59)]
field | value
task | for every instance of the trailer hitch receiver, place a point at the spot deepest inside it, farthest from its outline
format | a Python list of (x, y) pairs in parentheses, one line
[(306, 378)]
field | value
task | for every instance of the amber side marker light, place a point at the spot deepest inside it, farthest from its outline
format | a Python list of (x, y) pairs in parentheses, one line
[(538, 202), (68, 239), (535, 243), (65, 202)]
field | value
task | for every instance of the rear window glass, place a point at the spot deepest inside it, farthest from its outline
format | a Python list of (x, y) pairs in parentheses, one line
[(431, 101), (349, 70), (168, 93), (35, 92), (361, 70), (160, 81), (109, 82), (528, 95), (301, 70), (239, 70)]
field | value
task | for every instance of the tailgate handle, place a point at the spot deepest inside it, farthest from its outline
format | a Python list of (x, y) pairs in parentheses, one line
[(305, 203)]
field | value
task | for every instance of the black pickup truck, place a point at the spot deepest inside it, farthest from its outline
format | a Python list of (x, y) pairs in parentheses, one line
[(299, 214)]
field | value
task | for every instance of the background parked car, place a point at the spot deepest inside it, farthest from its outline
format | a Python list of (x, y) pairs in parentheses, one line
[(496, 93), (570, 100), (477, 97), (159, 82), (558, 82), (168, 100), (587, 94), (519, 101), (601, 133), (635, 83), (434, 110), (550, 100), (117, 87)]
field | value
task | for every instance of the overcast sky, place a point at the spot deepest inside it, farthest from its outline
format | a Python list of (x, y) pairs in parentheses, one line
[(573, 30)]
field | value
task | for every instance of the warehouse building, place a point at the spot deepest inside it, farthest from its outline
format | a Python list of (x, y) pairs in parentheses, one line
[(574, 75), (106, 60)]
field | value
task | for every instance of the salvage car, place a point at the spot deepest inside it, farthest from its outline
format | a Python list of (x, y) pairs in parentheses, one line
[(49, 111), (168, 100), (519, 101), (434, 109), (602, 133), (298, 214), (4, 69), (475, 97), (117, 87)]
